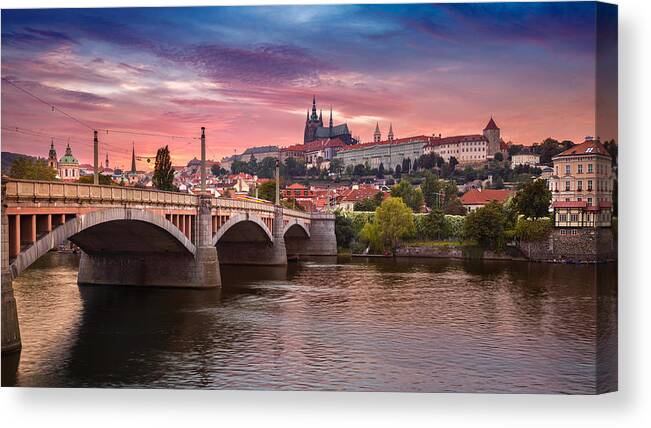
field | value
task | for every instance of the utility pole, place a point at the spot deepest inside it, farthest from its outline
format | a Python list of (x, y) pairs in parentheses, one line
[(95, 158), (277, 181), (203, 160)]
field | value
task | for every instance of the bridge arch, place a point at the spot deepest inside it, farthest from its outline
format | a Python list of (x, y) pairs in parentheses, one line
[(82, 229), (243, 228), (296, 229)]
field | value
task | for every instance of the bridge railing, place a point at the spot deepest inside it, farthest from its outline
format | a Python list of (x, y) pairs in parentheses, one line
[(52, 190)]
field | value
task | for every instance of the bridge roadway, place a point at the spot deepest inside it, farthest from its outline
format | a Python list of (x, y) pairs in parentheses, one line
[(133, 236)]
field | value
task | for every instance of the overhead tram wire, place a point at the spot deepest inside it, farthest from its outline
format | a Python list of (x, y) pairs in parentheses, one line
[(106, 130), (35, 133), (52, 106)]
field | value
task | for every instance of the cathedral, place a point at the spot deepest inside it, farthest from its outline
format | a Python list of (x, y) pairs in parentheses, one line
[(314, 129)]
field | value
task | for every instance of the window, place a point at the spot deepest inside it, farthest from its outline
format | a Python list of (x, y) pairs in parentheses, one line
[(567, 169), (567, 186), (574, 217), (579, 185), (563, 217), (589, 185), (580, 169), (589, 168), (556, 170), (579, 199), (590, 201)]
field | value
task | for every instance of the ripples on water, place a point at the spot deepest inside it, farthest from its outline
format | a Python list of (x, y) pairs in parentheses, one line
[(380, 325)]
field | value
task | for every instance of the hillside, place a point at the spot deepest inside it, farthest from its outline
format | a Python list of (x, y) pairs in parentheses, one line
[(9, 157)]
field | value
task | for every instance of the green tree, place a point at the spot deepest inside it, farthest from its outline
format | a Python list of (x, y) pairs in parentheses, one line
[(217, 170), (295, 167), (486, 226), (533, 199), (163, 173), (267, 191), (380, 171), (434, 224), (344, 230), (412, 196), (394, 220), (369, 204), (266, 168), (498, 157), (431, 188), (104, 180), (336, 166), (28, 169)]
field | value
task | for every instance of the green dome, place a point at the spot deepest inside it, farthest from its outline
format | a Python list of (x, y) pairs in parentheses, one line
[(68, 159)]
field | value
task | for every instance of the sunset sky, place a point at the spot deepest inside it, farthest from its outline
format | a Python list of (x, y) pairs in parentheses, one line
[(248, 74)]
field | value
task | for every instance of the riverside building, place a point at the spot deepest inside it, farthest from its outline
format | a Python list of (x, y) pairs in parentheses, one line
[(582, 186)]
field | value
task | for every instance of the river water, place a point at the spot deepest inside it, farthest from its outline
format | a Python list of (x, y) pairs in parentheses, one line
[(328, 324)]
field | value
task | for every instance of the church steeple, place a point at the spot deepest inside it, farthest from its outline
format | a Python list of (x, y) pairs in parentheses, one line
[(321, 117), (107, 162), (330, 117), (390, 134), (314, 115), (133, 158), (377, 136)]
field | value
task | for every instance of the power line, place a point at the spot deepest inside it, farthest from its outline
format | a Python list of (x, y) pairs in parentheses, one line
[(52, 106), (146, 134), (107, 130)]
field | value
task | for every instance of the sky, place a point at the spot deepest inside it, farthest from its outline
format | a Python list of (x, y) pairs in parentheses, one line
[(248, 74)]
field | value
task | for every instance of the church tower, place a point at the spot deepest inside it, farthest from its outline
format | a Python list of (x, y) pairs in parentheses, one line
[(312, 122), (492, 134), (106, 163), (377, 136), (390, 134), (52, 161)]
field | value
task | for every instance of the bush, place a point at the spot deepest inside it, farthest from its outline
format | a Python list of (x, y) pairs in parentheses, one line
[(532, 230), (486, 226), (453, 227), (344, 230)]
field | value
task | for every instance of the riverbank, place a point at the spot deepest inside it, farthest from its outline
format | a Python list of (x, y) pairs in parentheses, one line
[(446, 250)]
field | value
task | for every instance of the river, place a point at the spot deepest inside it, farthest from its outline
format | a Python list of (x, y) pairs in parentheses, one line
[(329, 324)]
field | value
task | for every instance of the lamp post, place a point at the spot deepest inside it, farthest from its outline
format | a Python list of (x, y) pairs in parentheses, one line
[(277, 181), (203, 160), (95, 158)]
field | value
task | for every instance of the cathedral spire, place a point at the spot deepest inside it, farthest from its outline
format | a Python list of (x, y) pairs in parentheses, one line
[(107, 161), (133, 158), (321, 115), (390, 135), (330, 116), (314, 115)]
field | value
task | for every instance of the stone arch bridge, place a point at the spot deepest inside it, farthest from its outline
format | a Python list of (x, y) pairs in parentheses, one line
[(136, 236)]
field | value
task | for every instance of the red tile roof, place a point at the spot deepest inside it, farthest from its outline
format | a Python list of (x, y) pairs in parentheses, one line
[(491, 125), (323, 143), (423, 138), (588, 147), (483, 197), (294, 148), (354, 195), (455, 139), (296, 186)]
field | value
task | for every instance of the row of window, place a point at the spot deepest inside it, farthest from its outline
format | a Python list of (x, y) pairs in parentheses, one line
[(601, 169)]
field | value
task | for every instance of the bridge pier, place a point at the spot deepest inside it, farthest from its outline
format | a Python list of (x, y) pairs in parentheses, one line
[(322, 242), (158, 269), (253, 250), (10, 328)]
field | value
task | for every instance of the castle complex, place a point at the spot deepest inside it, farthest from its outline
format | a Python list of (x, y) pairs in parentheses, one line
[(314, 129)]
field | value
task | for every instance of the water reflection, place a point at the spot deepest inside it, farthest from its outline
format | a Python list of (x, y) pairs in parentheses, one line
[(328, 324)]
